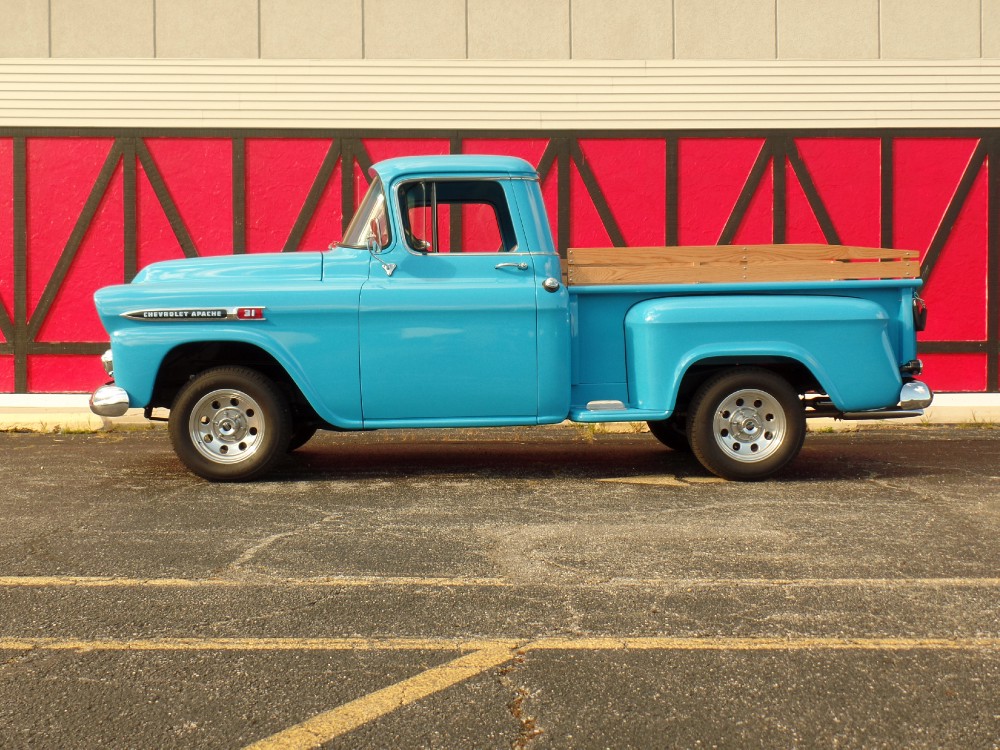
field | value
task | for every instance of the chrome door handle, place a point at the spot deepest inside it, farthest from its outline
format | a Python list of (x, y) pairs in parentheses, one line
[(522, 266)]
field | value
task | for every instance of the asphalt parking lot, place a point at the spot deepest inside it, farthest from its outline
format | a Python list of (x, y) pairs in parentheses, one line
[(553, 588)]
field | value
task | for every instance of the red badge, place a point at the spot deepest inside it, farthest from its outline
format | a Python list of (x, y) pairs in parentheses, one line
[(250, 313)]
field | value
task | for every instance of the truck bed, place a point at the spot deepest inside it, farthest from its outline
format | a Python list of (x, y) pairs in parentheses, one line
[(712, 264)]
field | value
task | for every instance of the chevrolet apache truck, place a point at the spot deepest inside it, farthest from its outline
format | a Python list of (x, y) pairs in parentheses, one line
[(446, 305)]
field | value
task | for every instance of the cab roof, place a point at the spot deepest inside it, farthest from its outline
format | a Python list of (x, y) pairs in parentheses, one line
[(454, 165)]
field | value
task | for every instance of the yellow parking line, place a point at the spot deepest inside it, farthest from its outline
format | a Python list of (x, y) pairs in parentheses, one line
[(481, 655), (330, 724), (326, 726), (608, 643), (667, 643), (345, 581), (810, 582), (251, 644), (448, 582)]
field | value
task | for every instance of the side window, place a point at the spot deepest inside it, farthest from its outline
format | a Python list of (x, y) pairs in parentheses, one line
[(369, 220), (457, 216)]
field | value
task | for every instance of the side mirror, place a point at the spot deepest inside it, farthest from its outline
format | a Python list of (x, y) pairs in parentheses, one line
[(375, 247), (374, 238)]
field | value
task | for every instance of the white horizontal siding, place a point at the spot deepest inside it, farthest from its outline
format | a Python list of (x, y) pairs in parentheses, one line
[(519, 95)]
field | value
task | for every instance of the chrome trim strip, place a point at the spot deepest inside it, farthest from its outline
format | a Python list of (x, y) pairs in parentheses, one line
[(605, 405), (195, 314)]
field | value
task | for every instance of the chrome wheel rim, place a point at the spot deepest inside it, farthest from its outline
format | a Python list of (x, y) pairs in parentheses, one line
[(226, 426), (749, 425)]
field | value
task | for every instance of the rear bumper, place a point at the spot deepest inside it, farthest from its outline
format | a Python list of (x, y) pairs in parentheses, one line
[(109, 401), (914, 397)]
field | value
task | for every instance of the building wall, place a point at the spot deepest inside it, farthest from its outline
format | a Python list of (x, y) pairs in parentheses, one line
[(503, 29), (138, 130), (86, 212)]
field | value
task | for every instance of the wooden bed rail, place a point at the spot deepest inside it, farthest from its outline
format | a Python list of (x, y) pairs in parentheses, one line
[(736, 263)]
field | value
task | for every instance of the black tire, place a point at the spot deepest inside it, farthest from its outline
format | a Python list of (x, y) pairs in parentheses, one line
[(746, 424), (301, 434), (672, 433), (230, 424)]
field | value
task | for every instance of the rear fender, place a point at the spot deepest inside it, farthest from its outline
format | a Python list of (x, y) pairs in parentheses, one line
[(842, 341)]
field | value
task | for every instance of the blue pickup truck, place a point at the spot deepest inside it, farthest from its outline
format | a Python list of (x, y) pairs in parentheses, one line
[(447, 305)]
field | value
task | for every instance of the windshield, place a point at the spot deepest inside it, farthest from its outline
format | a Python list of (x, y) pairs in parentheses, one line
[(372, 209)]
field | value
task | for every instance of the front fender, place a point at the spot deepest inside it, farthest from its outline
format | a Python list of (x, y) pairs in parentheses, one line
[(310, 328), (320, 370), (843, 341)]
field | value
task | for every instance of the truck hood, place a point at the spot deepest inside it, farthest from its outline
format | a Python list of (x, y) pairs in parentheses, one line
[(305, 266)]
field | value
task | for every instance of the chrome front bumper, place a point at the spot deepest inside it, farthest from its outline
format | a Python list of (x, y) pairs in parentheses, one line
[(915, 395), (109, 401)]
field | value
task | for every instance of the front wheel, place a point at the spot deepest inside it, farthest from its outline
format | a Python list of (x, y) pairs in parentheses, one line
[(230, 424), (746, 424)]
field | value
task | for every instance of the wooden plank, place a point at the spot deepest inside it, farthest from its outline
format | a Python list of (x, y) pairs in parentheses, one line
[(737, 263), (728, 274), (730, 254)]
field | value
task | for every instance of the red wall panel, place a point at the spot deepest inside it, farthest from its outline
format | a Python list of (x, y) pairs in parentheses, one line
[(98, 262), (64, 373), (199, 176), (957, 289), (608, 190), (847, 174), (61, 172), (6, 229), (155, 239), (757, 227), (619, 166), (954, 372), (801, 224), (279, 174), (712, 173), (7, 373), (6, 256), (327, 221)]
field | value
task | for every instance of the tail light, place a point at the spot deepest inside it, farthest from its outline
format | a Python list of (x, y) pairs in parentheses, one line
[(919, 313)]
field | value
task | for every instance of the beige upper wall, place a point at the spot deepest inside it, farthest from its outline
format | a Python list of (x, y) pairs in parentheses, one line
[(503, 29), (503, 95)]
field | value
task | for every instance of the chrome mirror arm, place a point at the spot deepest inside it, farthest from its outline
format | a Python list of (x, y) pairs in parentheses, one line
[(374, 249)]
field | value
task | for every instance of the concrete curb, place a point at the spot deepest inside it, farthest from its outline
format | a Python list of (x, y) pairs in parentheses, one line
[(63, 413), (60, 412)]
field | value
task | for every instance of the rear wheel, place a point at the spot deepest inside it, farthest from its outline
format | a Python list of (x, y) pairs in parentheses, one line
[(746, 424), (230, 424), (672, 433), (301, 434)]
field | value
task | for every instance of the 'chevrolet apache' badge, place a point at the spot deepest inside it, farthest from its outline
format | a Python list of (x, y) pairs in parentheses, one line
[(197, 314)]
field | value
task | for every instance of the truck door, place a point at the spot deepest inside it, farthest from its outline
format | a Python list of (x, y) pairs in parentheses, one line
[(450, 336)]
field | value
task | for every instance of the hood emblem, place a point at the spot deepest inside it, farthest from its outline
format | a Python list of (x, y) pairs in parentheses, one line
[(175, 314)]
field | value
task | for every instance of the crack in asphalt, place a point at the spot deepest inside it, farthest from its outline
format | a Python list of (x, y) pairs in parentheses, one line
[(251, 552), (528, 729)]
